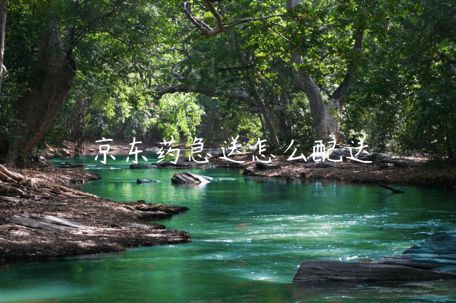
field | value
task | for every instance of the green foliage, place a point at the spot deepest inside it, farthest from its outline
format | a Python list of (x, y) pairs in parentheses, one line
[(178, 116), (402, 94)]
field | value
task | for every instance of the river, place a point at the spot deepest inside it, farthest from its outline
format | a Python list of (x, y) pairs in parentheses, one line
[(249, 237)]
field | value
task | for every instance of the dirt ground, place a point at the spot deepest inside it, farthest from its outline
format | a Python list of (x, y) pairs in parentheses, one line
[(43, 215)]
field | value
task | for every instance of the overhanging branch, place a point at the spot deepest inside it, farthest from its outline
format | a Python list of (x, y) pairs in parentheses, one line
[(342, 92), (201, 25)]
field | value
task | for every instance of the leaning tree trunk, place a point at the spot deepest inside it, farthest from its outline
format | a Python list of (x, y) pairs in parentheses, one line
[(3, 4), (37, 109), (324, 124)]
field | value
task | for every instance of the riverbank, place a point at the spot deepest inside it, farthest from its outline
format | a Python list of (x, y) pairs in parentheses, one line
[(44, 215), (384, 169), (417, 173), (401, 171)]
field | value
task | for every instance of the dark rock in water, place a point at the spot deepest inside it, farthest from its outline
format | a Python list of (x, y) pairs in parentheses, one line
[(189, 178), (143, 181), (325, 271), (264, 166), (181, 165), (142, 166), (248, 171), (435, 258)]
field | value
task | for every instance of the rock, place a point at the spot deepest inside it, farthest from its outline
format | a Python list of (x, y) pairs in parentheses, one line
[(173, 165), (248, 171), (325, 271), (387, 161), (143, 181), (142, 166), (264, 166), (435, 258), (343, 152), (190, 178)]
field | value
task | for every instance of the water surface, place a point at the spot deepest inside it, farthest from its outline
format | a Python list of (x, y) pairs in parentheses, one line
[(249, 237)]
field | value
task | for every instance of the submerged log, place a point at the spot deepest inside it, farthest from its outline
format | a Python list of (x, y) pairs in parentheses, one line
[(190, 178), (434, 259)]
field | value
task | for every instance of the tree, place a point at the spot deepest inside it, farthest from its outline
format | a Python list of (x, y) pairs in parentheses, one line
[(61, 27)]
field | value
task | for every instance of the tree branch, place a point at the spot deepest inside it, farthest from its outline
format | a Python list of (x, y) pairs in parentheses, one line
[(201, 25), (342, 92)]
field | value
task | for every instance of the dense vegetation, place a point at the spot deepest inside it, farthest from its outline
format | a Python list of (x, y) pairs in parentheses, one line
[(81, 69)]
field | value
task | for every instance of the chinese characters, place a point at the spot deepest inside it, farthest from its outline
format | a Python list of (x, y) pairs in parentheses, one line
[(170, 150)]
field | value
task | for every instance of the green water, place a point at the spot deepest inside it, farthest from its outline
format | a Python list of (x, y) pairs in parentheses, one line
[(249, 237)]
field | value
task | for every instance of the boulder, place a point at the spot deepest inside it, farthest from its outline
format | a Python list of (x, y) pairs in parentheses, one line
[(190, 178)]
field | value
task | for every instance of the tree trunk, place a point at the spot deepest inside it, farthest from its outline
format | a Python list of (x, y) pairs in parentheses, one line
[(78, 125), (37, 109), (265, 113), (324, 124), (3, 4)]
